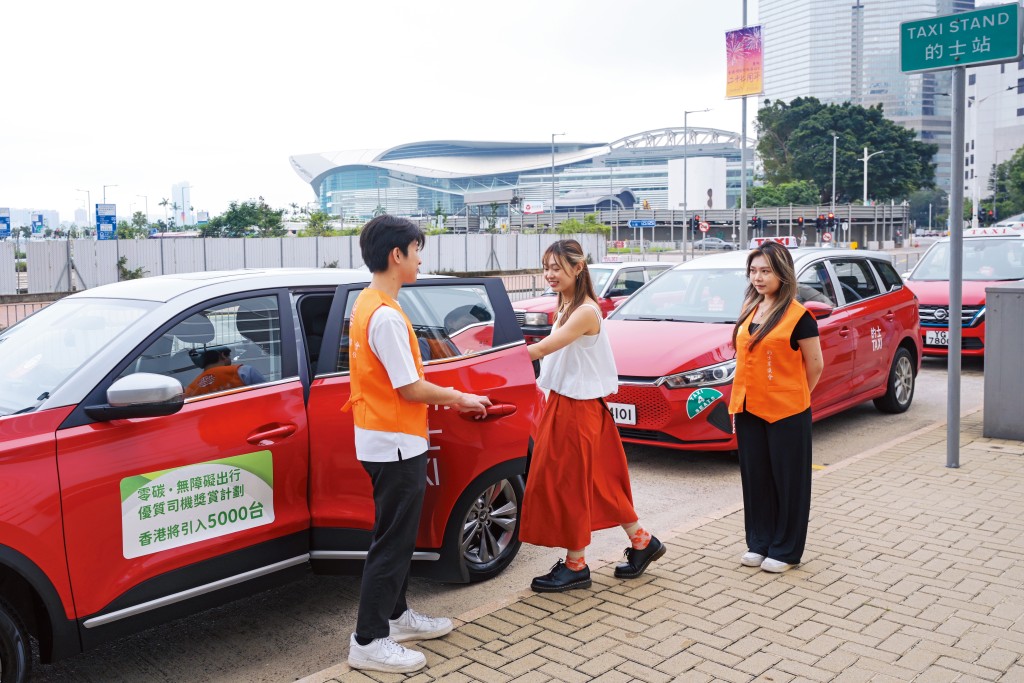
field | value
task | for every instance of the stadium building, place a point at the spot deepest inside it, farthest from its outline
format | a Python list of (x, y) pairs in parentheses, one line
[(642, 170)]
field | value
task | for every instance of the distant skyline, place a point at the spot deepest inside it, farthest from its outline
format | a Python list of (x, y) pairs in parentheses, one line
[(139, 96)]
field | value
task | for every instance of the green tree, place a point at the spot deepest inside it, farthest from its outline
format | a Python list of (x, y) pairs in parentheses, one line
[(796, 144), (318, 224), (796, 192), (130, 231), (246, 219), (920, 201)]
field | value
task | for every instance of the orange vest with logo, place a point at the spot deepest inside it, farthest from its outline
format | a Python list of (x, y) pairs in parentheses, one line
[(217, 378), (375, 404), (771, 378)]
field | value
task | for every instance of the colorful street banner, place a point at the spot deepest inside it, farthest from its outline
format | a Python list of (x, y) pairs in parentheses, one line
[(185, 505), (744, 55)]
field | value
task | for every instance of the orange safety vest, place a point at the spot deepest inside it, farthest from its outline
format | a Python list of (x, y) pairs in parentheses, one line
[(217, 378), (771, 379), (376, 404)]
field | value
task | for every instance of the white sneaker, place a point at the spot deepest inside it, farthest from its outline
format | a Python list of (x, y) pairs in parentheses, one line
[(384, 654), (775, 566), (751, 559), (415, 626)]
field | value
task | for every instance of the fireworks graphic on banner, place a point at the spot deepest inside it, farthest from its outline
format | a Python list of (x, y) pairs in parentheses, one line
[(744, 54)]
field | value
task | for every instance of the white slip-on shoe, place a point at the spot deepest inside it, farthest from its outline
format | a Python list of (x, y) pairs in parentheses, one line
[(415, 626), (751, 559), (384, 654), (775, 566)]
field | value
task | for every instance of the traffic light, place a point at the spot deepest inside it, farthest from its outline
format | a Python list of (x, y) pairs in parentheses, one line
[(696, 221), (991, 217), (800, 222), (831, 220), (819, 222), (981, 216)]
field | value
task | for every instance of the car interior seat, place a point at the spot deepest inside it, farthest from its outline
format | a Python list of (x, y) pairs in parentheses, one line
[(195, 332), (260, 325), (850, 284)]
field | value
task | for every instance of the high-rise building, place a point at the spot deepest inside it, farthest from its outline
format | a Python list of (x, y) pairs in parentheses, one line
[(993, 125), (181, 196), (849, 51)]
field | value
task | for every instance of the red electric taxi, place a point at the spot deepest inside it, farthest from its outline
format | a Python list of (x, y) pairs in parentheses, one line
[(613, 282), (991, 255), (124, 503), (672, 342)]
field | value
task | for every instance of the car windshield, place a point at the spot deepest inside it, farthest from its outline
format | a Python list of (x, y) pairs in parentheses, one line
[(42, 351), (984, 259), (598, 275), (689, 295)]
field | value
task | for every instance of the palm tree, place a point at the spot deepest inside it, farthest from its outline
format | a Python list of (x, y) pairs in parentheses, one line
[(165, 202)]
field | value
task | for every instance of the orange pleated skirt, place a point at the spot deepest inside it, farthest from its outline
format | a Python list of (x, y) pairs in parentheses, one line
[(578, 480)]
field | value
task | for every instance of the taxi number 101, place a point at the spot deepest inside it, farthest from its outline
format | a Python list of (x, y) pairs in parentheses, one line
[(623, 413)]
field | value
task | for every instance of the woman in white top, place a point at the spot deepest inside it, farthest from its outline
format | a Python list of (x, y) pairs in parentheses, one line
[(578, 480)]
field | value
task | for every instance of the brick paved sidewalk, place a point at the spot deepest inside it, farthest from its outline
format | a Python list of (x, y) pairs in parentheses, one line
[(913, 572)]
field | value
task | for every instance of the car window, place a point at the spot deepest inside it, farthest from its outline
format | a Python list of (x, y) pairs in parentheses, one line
[(627, 281), (655, 271), (692, 295), (225, 346), (856, 280), (450, 321), (814, 284), (984, 260), (890, 278)]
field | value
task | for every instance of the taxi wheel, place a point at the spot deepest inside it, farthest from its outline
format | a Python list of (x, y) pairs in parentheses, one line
[(15, 650), (489, 533), (900, 388)]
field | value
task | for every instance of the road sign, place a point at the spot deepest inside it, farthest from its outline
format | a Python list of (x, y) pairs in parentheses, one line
[(826, 237), (846, 226), (641, 224), (106, 221), (704, 226), (982, 36)]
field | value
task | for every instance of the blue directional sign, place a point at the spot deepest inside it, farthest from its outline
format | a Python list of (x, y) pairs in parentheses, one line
[(5, 223), (38, 223), (106, 221), (641, 224)]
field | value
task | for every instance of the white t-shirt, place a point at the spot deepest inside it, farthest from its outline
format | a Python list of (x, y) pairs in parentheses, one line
[(389, 341)]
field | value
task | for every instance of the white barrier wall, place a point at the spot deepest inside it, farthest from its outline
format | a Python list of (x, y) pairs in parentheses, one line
[(95, 262)]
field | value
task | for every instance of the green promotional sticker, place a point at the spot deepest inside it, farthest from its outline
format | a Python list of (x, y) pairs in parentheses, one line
[(700, 400)]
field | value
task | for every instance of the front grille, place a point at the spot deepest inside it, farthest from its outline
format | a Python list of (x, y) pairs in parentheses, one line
[(520, 318), (647, 435), (938, 316), (652, 408)]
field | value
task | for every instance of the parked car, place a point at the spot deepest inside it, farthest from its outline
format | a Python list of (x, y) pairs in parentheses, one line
[(613, 282), (126, 504), (991, 255), (672, 343), (709, 243)]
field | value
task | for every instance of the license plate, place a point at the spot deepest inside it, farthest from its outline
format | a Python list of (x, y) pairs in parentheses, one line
[(623, 413), (936, 338)]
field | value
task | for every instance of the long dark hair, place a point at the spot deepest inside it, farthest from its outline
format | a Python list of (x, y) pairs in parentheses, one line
[(781, 262), (569, 254)]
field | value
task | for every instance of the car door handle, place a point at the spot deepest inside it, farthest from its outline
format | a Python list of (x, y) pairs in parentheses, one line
[(890, 316), (496, 410), (280, 431), (844, 331)]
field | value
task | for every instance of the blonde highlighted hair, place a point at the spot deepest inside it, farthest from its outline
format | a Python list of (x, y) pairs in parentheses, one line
[(569, 254)]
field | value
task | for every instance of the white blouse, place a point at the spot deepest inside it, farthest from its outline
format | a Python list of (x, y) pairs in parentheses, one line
[(585, 369)]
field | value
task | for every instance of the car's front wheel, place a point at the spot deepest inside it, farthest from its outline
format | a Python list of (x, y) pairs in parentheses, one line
[(489, 532), (900, 388), (15, 650)]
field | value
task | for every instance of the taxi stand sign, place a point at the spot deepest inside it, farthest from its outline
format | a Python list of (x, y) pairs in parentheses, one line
[(983, 36)]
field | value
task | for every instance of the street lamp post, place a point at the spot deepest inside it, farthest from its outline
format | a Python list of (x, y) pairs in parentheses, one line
[(865, 160), (835, 139), (105, 192), (686, 153), (88, 201), (553, 177), (146, 198)]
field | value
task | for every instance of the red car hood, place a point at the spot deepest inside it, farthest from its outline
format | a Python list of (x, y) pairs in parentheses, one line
[(936, 292), (538, 304), (655, 348)]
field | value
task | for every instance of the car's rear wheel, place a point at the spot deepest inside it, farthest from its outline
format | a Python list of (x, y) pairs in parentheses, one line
[(15, 649), (489, 532), (900, 388)]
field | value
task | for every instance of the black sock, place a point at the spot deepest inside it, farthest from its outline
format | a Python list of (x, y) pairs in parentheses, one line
[(396, 615), (363, 641)]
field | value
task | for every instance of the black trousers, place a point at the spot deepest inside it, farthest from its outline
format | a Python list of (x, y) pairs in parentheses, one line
[(398, 489), (775, 468)]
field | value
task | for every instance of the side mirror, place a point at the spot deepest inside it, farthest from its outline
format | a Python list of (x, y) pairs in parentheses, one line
[(818, 309), (142, 394)]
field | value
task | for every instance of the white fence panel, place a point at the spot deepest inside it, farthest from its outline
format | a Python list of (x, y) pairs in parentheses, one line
[(86, 268), (224, 253), (343, 252), (8, 276), (478, 250), (528, 251), (183, 255), (300, 252), (143, 254), (48, 269), (263, 253)]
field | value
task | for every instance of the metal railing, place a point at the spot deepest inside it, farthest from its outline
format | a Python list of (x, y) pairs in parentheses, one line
[(12, 313)]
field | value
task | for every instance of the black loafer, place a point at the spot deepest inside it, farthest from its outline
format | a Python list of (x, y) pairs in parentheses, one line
[(637, 560), (561, 578)]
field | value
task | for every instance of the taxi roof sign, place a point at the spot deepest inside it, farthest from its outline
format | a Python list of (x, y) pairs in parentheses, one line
[(785, 240), (993, 231)]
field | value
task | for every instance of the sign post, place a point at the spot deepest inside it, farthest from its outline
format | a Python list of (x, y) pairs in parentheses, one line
[(640, 224), (983, 36), (5, 223), (106, 221)]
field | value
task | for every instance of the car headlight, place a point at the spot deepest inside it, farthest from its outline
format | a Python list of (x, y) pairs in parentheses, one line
[(535, 319), (722, 373)]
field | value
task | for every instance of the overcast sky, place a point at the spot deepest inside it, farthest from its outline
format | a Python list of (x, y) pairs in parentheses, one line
[(219, 93)]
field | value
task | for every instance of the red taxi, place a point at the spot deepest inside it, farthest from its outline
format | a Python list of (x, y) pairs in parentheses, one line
[(613, 282), (672, 342), (124, 504), (991, 255)]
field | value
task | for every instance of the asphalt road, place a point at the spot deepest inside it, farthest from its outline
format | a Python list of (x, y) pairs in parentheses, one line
[(302, 628)]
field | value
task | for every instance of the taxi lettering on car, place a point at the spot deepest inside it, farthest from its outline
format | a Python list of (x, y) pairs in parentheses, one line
[(127, 503), (672, 342), (990, 255)]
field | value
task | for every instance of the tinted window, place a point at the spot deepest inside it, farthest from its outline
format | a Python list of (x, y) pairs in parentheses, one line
[(627, 281), (890, 278), (856, 280), (814, 284)]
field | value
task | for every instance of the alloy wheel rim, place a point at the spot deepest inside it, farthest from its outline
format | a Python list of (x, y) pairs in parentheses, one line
[(489, 527), (904, 380)]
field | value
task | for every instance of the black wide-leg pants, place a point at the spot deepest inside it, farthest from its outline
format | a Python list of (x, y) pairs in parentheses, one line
[(775, 469), (398, 490)]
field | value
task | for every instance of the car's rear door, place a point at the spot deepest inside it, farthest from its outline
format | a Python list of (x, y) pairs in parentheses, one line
[(814, 283), (163, 515), (870, 318)]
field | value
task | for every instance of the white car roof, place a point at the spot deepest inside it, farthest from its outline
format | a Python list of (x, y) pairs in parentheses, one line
[(801, 256)]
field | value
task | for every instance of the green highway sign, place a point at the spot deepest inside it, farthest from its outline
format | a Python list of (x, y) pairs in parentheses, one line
[(982, 36)]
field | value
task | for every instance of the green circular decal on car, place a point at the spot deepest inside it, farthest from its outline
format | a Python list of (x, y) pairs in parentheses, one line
[(700, 400)]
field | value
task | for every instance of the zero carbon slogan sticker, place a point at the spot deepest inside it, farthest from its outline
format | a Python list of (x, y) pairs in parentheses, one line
[(183, 505), (700, 400)]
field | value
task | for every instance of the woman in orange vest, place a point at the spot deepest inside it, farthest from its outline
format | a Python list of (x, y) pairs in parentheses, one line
[(578, 480), (219, 374), (778, 363)]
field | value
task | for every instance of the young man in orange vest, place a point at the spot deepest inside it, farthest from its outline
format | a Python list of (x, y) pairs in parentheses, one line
[(389, 407)]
